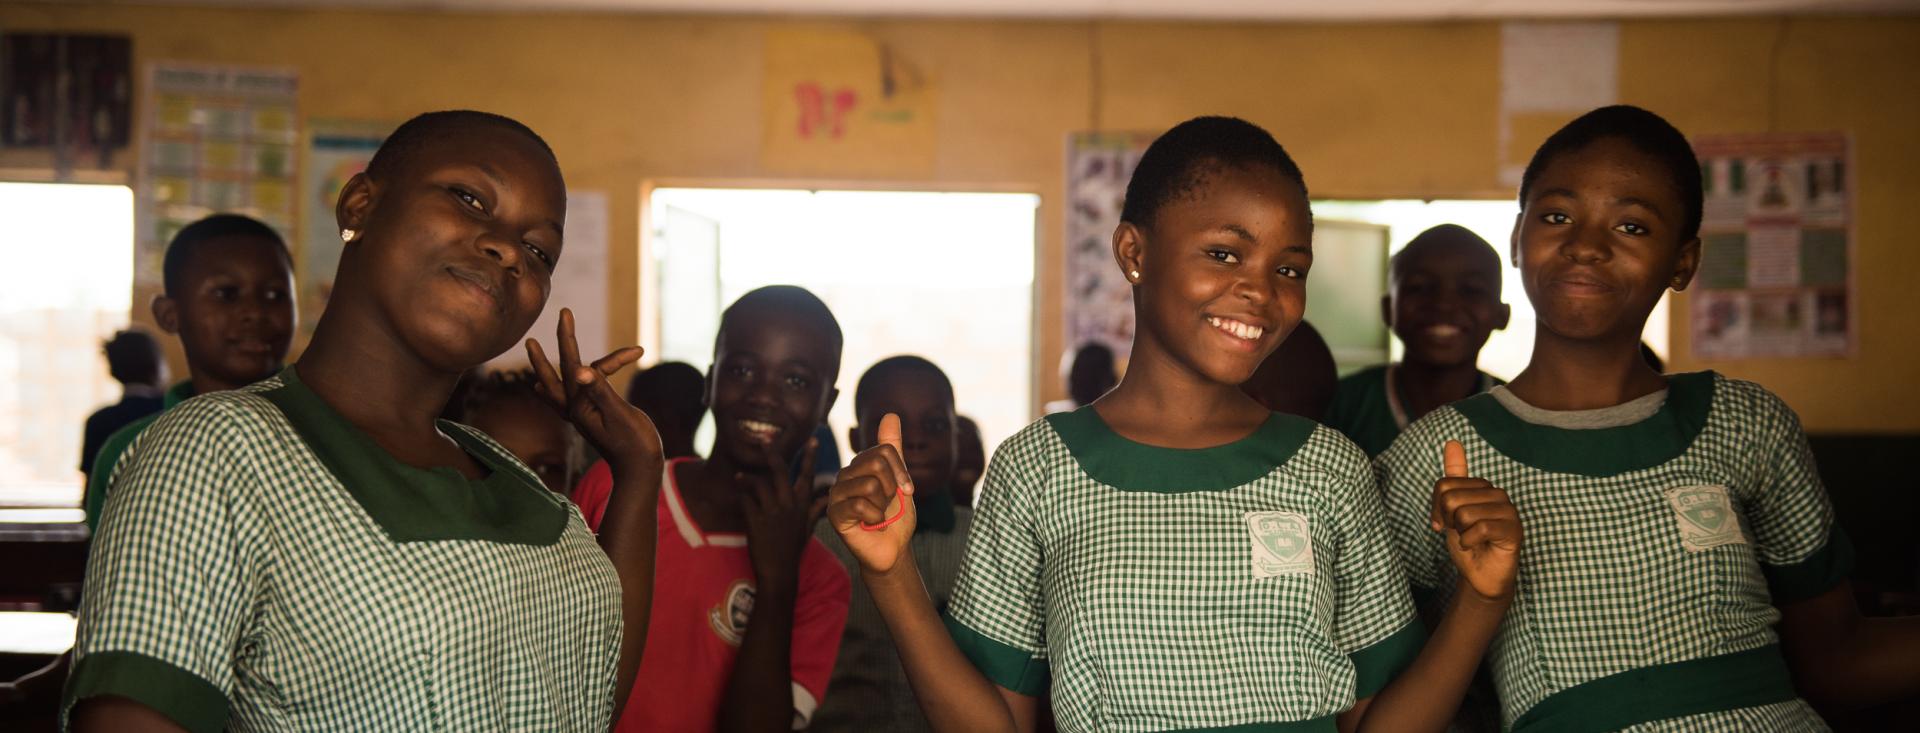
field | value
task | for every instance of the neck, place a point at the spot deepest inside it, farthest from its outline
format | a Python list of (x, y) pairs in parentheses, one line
[(367, 376), (1578, 374), (1178, 396), (204, 383), (1423, 387)]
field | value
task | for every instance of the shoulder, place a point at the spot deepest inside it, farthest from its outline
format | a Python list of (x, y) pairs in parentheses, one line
[(1418, 447), (232, 419), (1369, 377), (1740, 395), (1032, 442), (1328, 451)]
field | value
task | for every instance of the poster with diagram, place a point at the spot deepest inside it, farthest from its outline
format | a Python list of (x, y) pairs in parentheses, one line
[(1099, 300), (216, 139), (1776, 266)]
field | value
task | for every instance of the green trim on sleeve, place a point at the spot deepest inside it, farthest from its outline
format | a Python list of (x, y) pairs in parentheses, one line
[(1383, 660), (1002, 664), (1600, 452), (185, 698), (1112, 459), (1820, 572)]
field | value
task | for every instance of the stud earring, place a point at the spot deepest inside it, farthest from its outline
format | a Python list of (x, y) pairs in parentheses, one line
[(347, 235), (1135, 274)]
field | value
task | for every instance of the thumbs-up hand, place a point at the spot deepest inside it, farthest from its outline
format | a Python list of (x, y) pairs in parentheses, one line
[(871, 502), (1481, 525)]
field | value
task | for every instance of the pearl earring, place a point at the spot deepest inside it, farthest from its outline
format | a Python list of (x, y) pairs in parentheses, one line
[(1135, 274), (347, 235)]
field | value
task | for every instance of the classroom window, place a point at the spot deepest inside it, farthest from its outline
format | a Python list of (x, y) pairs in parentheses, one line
[(947, 276), (66, 288), (1508, 351)]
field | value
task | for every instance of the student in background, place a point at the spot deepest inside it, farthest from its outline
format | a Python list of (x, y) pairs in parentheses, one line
[(227, 293), (673, 394), (870, 691), (134, 360), (507, 406), (1090, 373), (1175, 555), (1298, 378), (1683, 568), (972, 463), (1443, 302), (318, 551), (749, 607)]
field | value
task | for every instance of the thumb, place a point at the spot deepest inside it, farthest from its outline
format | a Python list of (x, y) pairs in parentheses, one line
[(1453, 460), (890, 433)]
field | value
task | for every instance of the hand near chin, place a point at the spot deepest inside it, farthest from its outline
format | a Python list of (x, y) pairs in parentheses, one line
[(780, 512), (620, 432)]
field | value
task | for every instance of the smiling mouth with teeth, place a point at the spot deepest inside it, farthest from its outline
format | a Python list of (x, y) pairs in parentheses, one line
[(1237, 329), (1444, 331), (761, 431)]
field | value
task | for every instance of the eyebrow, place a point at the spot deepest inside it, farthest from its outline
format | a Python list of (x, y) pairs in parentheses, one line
[(493, 174), (1621, 201)]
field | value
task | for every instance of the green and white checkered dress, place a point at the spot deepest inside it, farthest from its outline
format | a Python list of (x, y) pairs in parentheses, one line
[(1655, 554), (265, 566), (1250, 584)]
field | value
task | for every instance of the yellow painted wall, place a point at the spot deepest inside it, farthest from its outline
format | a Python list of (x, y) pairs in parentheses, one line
[(1370, 111)]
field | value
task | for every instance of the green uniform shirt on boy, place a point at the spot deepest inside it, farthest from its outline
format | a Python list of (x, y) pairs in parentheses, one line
[(1368, 411), (1656, 551), (116, 444), (1151, 589), (263, 565)]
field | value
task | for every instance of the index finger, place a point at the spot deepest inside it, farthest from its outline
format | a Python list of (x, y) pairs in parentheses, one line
[(1453, 459), (569, 349), (776, 466)]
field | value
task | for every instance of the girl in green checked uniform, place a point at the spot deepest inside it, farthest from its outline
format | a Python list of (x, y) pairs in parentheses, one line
[(1175, 556), (317, 552), (1683, 571)]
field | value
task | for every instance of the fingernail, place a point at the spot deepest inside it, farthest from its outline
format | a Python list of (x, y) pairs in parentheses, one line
[(907, 488)]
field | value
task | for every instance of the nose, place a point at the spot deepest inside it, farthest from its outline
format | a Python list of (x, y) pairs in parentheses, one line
[(1258, 289), (502, 248), (1587, 244)]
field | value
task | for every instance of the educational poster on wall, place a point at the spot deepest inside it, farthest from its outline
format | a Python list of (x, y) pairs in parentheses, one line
[(216, 139), (72, 93), (1099, 300), (1776, 269), (579, 283), (842, 103), (336, 150)]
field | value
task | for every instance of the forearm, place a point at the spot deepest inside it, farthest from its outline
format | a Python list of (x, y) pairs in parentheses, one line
[(1878, 661), (627, 534), (1427, 694), (760, 690), (952, 693)]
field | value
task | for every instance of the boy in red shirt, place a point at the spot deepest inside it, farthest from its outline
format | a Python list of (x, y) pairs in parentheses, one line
[(747, 606)]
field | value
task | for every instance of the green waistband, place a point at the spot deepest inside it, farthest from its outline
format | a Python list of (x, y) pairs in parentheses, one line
[(1664, 691), (1317, 725)]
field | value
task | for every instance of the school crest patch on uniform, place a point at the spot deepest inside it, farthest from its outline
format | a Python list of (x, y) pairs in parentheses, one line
[(1282, 543), (729, 618), (1706, 517)]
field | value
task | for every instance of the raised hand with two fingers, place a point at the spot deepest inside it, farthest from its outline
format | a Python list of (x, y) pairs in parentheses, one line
[(621, 433)]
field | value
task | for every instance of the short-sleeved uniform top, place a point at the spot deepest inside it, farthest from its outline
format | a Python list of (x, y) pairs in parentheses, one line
[(870, 687), (1248, 584), (115, 444), (263, 565), (1655, 553), (703, 593), (1367, 408)]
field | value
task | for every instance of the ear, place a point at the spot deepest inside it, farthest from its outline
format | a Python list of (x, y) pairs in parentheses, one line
[(1513, 242), (1386, 309), (1129, 250), (833, 395), (854, 441), (1685, 265), (706, 388), (356, 200), (1506, 317), (166, 313)]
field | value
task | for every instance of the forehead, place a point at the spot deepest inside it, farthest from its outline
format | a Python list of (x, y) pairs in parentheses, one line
[(779, 335), (1449, 257), (508, 154), (909, 388), (1610, 168), (1258, 198), (247, 256)]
